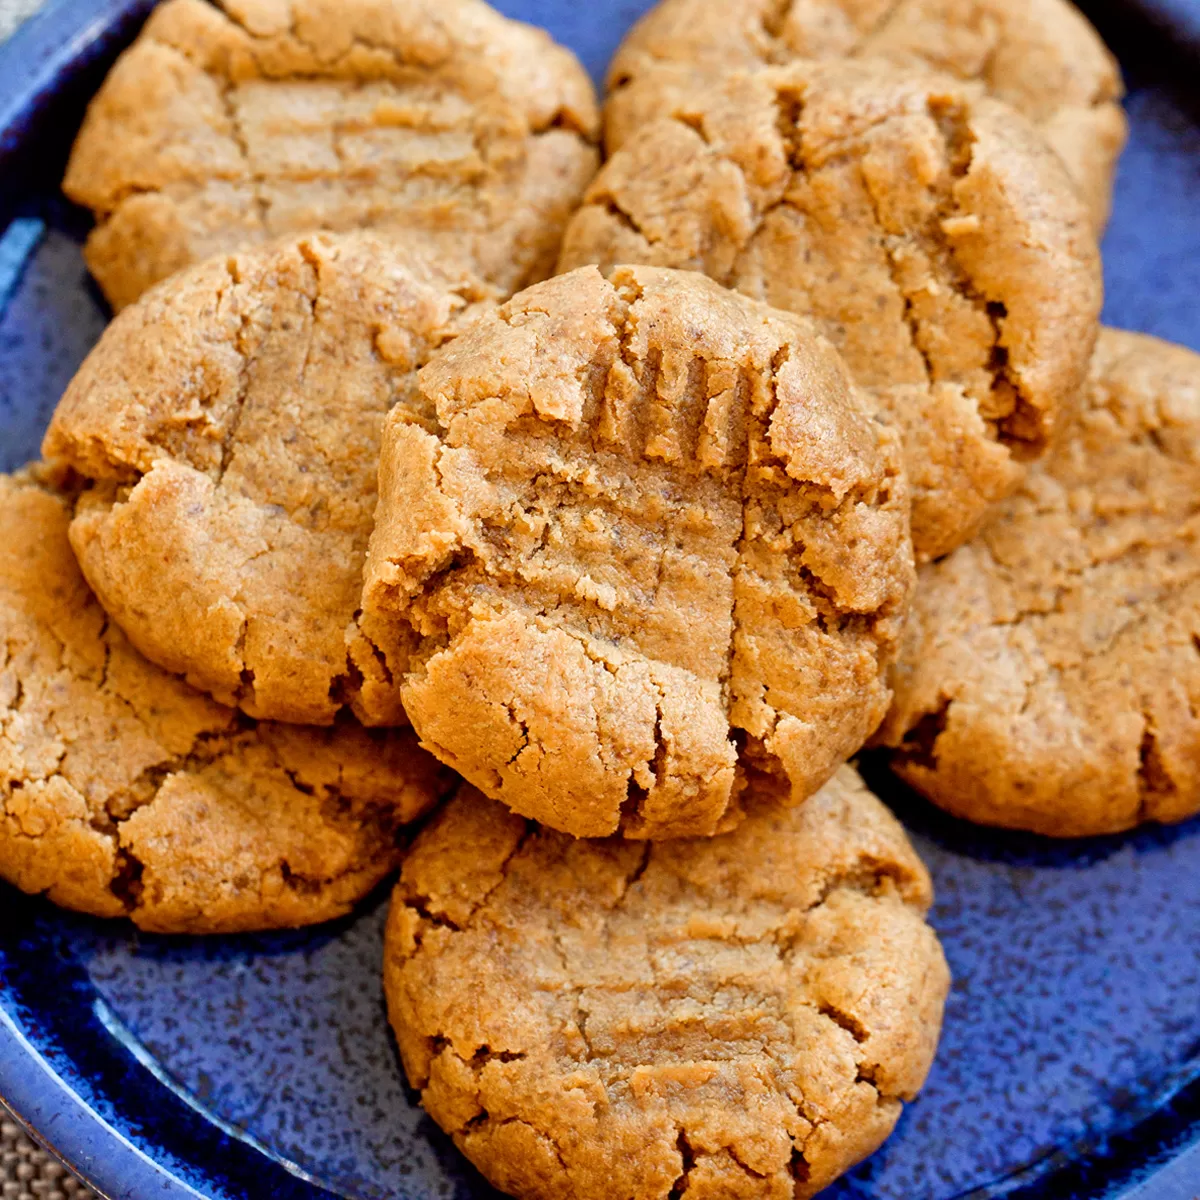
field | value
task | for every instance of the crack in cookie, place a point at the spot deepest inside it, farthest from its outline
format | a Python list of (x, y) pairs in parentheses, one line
[(1048, 678), (1039, 56), (641, 528), (736, 1016), (230, 422), (123, 792), (905, 213), (228, 125)]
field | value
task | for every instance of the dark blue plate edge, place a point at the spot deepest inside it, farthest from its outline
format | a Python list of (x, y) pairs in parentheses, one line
[(113, 1120), (1178, 20), (70, 39), (57, 54), (63, 35), (58, 1118)]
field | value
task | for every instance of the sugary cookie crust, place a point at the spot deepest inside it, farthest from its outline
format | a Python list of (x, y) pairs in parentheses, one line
[(228, 125), (231, 421), (922, 224), (123, 792), (643, 526), (1050, 677), (1040, 56), (739, 1017)]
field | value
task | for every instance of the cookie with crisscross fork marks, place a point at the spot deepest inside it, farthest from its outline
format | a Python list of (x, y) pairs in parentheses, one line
[(1040, 56), (925, 226), (1050, 677), (228, 124), (730, 1018), (230, 424), (640, 524)]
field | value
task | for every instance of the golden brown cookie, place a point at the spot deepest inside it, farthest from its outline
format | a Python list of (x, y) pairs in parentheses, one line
[(925, 226), (123, 792), (1040, 56), (722, 1019), (229, 124), (645, 524), (1050, 679), (231, 423)]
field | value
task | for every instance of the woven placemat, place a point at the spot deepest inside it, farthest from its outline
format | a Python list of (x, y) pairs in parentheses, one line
[(27, 1172)]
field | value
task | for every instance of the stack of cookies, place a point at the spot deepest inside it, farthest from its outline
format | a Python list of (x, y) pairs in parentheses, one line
[(813, 441)]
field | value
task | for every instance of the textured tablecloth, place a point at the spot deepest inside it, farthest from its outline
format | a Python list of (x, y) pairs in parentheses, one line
[(27, 1172)]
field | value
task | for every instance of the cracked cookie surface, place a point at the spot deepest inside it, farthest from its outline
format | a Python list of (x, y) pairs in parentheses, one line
[(231, 423), (229, 124), (923, 225), (643, 526), (733, 1017), (1050, 677), (1041, 57), (124, 792)]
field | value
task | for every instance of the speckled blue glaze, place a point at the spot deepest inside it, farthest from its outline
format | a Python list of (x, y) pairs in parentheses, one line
[(262, 1066)]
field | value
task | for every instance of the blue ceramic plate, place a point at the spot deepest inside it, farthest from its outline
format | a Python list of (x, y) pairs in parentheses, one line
[(262, 1066)]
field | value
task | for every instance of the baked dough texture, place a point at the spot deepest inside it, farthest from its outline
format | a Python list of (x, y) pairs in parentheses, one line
[(229, 124), (729, 1018), (1041, 57), (924, 225), (123, 792), (231, 422), (643, 525), (1050, 678)]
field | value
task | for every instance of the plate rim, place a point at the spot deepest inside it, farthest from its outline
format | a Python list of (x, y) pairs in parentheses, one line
[(64, 36), (56, 1116)]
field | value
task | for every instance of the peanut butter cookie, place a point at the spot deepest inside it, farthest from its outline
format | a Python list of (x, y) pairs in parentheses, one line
[(925, 226), (231, 422), (123, 792), (723, 1019), (643, 524), (1040, 56), (229, 124), (1051, 674)]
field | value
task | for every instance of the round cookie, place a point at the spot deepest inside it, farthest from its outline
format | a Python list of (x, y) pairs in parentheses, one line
[(227, 124), (926, 228), (123, 792), (1050, 679), (735, 1017), (1040, 56), (231, 423), (647, 526)]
